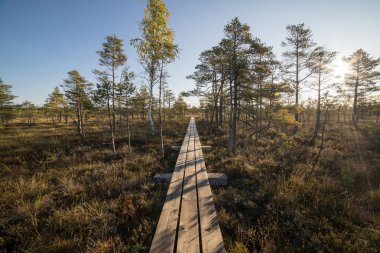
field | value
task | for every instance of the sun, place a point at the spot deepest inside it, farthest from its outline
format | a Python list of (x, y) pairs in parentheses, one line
[(340, 68)]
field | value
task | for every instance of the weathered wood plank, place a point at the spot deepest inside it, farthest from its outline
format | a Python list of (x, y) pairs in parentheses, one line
[(211, 236), (188, 233), (188, 222), (165, 235), (204, 148)]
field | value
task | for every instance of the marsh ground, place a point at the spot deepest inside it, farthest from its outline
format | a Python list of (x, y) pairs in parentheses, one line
[(61, 193)]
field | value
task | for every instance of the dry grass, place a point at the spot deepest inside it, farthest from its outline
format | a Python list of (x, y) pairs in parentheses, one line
[(63, 194), (284, 196)]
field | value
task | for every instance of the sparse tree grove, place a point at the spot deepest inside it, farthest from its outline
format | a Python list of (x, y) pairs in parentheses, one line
[(299, 144), (240, 82)]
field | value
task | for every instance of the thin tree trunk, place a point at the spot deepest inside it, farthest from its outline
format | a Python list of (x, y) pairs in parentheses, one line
[(317, 122), (323, 128), (128, 130), (150, 119), (110, 123), (221, 107), (233, 141), (113, 127), (230, 118), (79, 120), (159, 111), (297, 88), (354, 107)]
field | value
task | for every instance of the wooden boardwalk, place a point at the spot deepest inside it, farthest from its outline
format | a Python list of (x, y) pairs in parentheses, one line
[(188, 221)]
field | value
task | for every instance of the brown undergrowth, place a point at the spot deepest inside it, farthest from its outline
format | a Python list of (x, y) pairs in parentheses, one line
[(285, 196), (60, 193)]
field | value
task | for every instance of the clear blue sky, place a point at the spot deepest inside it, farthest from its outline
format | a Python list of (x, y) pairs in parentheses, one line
[(41, 40)]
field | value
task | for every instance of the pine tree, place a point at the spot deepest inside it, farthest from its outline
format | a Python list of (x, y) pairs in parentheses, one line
[(103, 97), (320, 64), (168, 99), (236, 43), (298, 43), (77, 90), (125, 91), (6, 98), (141, 101), (112, 56), (210, 77), (362, 77), (262, 67), (180, 107), (28, 111), (56, 103)]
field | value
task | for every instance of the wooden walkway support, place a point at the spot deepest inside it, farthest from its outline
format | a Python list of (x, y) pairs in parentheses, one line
[(215, 179), (188, 221)]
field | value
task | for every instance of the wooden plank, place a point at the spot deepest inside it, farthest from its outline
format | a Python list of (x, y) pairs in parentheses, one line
[(188, 232), (204, 148), (211, 236), (188, 222), (165, 235)]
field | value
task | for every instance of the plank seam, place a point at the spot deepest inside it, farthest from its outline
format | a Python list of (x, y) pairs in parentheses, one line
[(180, 202), (199, 214)]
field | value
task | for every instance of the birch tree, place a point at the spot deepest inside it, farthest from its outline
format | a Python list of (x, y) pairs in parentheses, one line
[(155, 48)]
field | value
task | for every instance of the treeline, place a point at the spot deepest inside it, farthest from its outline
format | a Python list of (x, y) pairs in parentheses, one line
[(240, 81), (243, 82), (57, 109)]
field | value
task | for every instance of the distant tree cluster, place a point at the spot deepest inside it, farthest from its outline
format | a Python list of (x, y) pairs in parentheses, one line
[(242, 81)]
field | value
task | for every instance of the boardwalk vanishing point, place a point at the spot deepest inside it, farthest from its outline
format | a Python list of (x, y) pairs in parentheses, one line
[(188, 221)]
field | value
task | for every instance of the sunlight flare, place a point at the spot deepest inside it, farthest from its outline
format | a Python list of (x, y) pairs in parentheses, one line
[(340, 69)]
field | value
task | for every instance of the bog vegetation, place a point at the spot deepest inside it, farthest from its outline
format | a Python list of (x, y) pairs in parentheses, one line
[(304, 175)]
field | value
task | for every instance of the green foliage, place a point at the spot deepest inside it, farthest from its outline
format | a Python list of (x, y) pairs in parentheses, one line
[(180, 106), (298, 43), (141, 100), (155, 48), (76, 88), (112, 55), (362, 67), (6, 96), (157, 39), (56, 103), (362, 77), (102, 94)]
